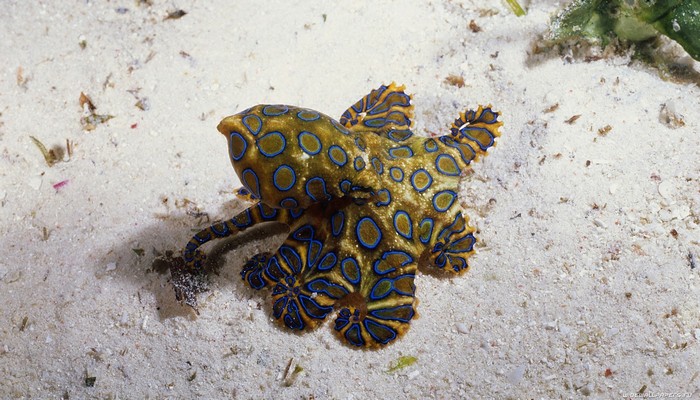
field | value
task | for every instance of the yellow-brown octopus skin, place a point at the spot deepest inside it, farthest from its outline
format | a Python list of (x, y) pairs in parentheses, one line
[(366, 201)]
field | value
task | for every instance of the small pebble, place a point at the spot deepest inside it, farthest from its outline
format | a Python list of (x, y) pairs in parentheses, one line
[(599, 223), (145, 321), (696, 333), (413, 374), (111, 266), (516, 375), (551, 325), (665, 189), (461, 327)]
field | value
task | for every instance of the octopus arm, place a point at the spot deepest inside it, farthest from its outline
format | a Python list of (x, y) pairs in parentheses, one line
[(382, 110)]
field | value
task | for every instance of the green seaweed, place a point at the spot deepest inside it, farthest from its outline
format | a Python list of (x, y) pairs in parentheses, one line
[(517, 10), (633, 20), (402, 362)]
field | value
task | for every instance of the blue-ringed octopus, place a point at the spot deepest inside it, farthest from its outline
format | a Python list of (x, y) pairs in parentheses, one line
[(366, 201)]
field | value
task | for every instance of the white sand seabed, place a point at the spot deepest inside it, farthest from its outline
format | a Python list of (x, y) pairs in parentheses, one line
[(582, 285)]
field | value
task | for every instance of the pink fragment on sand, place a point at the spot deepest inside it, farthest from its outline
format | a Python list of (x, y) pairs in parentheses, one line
[(60, 184)]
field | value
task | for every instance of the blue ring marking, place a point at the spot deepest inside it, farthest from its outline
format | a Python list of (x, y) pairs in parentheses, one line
[(399, 135), (494, 116), (452, 200), (372, 225), (392, 288), (359, 106), (305, 233), (327, 262), (314, 138), (293, 319), (461, 147), (342, 160), (323, 186), (396, 152), (378, 166), (222, 232), (254, 127), (252, 271), (263, 208), (374, 122), (255, 279), (409, 234), (237, 136), (372, 327), (292, 258), (308, 115), (313, 253), (343, 319), (466, 152), (451, 160), (354, 336), (274, 110), (337, 223), (484, 117), (383, 202), (374, 296), (345, 186), (472, 138), (339, 128), (346, 117), (274, 270), (396, 174), (406, 259), (360, 143), (448, 141), (332, 290), (453, 248), (413, 180), (458, 263), (296, 212), (391, 314), (350, 268), (441, 260), (458, 225), (247, 174), (398, 118), (359, 164), (312, 308), (279, 306), (430, 145), (289, 203), (270, 135), (291, 184)]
